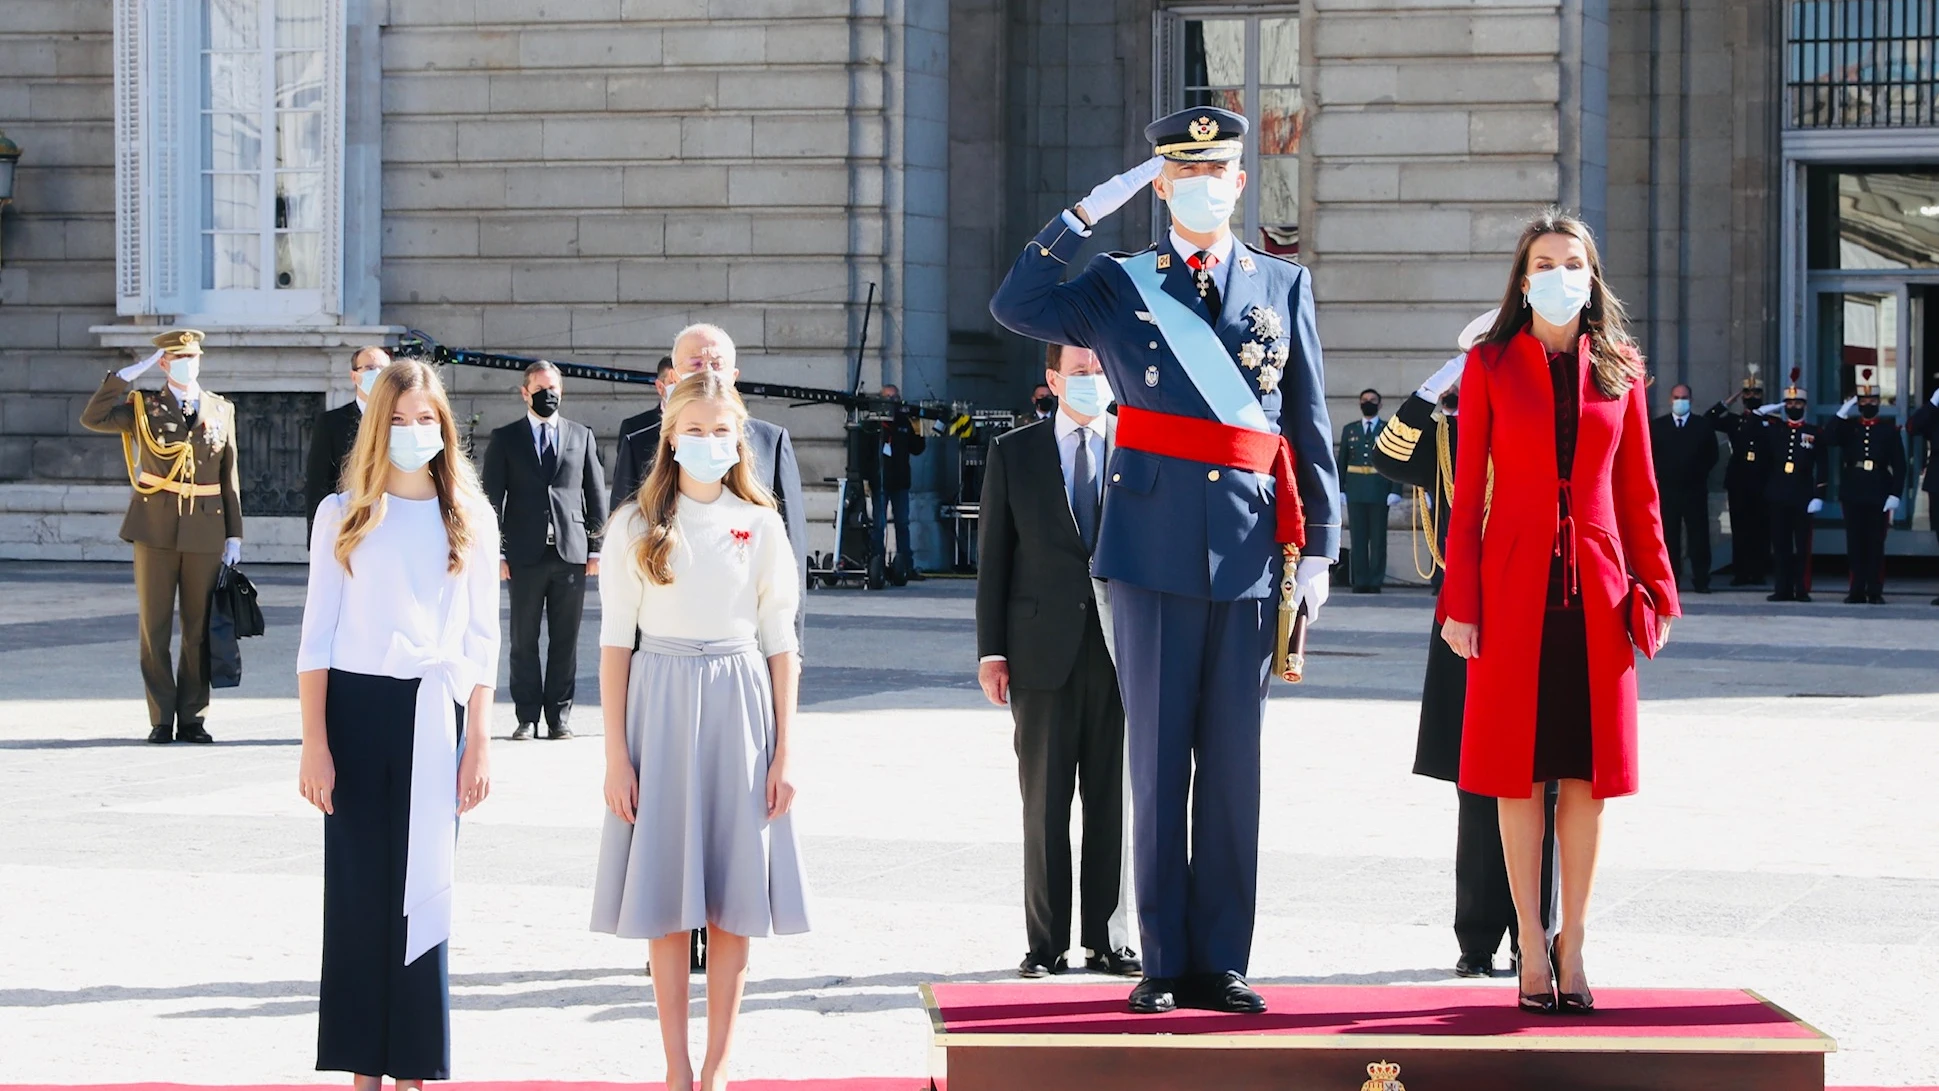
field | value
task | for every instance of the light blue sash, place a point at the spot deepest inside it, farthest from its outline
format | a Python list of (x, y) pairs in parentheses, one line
[(1199, 350)]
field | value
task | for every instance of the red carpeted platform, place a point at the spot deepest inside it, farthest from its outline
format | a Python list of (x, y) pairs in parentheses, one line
[(892, 1083), (1017, 1037)]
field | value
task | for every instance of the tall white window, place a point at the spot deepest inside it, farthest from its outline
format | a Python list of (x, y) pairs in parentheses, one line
[(1246, 62), (231, 163)]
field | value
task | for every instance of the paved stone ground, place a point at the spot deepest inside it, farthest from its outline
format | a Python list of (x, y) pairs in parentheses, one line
[(159, 905)]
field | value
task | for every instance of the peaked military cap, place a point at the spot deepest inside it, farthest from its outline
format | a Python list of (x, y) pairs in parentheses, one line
[(1867, 385), (179, 342), (1199, 135)]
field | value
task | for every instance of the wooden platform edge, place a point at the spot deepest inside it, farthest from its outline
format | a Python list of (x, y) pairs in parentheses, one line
[(1831, 1044)]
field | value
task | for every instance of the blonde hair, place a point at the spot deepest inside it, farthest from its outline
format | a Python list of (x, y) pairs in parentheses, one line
[(659, 494), (1612, 354), (366, 472)]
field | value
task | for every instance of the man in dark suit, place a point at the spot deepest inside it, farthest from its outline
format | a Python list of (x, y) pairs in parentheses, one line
[(1041, 647), (890, 444), (542, 475), (336, 430), (702, 347), (1685, 447), (626, 487)]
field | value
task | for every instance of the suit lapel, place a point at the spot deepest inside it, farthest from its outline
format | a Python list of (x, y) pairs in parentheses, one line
[(1241, 295), (1054, 499)]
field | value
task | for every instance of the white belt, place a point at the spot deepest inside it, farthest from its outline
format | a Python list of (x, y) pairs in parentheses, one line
[(446, 678)]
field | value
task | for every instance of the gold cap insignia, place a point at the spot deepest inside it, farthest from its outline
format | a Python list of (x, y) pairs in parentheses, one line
[(1383, 1076), (179, 342), (1203, 129)]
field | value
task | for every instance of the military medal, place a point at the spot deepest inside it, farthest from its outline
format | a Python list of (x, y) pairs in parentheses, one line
[(1267, 326), (1268, 379), (1251, 355), (1151, 375)]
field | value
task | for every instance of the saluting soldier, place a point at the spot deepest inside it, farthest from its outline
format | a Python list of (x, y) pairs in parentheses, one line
[(1745, 479), (1798, 460), (184, 518), (1369, 496), (1223, 468), (1873, 460)]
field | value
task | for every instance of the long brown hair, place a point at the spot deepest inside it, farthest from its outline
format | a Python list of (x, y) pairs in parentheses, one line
[(1612, 354), (367, 471), (660, 493)]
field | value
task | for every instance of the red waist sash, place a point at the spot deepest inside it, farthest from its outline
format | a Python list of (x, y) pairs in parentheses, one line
[(1196, 439)]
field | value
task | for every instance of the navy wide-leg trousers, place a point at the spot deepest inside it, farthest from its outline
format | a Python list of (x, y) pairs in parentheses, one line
[(375, 1015), (1194, 675)]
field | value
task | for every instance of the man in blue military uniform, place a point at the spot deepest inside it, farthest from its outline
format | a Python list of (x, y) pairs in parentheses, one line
[(1223, 466)]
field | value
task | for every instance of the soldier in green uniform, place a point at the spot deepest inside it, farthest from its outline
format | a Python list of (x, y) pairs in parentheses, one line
[(184, 519), (1369, 496)]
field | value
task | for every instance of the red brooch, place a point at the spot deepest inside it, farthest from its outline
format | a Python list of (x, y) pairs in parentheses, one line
[(742, 539)]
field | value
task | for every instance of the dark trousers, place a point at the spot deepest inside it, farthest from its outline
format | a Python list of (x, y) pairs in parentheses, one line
[(896, 501), (1791, 548), (1484, 910), (1071, 739), (1194, 675), (1865, 527), (167, 580), (375, 1015), (1750, 534), (1367, 558), (555, 589), (1686, 524)]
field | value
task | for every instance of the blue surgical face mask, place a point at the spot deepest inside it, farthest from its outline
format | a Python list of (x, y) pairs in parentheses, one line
[(184, 370), (1203, 202), (706, 458), (367, 379), (413, 445), (1680, 406), (1558, 295), (1086, 395)]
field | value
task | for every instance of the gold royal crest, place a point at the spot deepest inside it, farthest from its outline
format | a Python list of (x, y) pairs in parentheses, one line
[(1383, 1076), (1203, 129)]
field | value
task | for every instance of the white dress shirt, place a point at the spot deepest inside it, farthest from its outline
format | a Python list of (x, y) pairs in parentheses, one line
[(539, 425), (1222, 250)]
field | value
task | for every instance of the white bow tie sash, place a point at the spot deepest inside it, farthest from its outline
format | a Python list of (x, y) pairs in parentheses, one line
[(446, 678)]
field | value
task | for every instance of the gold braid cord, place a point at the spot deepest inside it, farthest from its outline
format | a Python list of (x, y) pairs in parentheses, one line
[(179, 458), (1427, 522)]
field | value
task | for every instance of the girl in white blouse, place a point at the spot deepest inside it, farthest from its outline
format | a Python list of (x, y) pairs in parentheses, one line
[(398, 658), (698, 670)]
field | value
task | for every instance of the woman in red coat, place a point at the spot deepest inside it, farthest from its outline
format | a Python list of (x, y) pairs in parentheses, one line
[(1555, 438)]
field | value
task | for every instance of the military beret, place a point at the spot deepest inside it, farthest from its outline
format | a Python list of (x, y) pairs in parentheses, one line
[(179, 342), (1200, 134)]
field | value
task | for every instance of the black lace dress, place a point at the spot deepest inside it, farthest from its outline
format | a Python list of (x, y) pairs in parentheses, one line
[(1563, 748)]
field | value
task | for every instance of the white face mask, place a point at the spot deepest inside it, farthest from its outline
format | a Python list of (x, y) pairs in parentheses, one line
[(413, 445), (1558, 295), (184, 370), (706, 458), (1086, 395), (1203, 202), (367, 380)]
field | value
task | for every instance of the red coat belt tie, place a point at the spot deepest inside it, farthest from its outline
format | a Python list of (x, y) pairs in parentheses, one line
[(1196, 439)]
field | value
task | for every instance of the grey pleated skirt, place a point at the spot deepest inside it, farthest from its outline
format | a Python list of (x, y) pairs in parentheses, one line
[(700, 731)]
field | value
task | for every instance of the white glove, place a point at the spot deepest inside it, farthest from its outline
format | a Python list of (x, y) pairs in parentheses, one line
[(1110, 195), (1427, 500), (1935, 398), (1814, 507), (1891, 504), (1443, 380), (1846, 410), (1311, 584), (1770, 410), (231, 550), (1393, 500), (133, 371)]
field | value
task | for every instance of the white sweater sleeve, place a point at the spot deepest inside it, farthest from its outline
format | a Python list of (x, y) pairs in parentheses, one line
[(324, 599), (481, 588), (621, 583), (777, 588)]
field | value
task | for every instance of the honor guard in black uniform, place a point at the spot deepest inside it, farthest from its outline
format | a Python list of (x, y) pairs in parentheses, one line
[(1872, 460), (1745, 478), (1417, 449), (1797, 459)]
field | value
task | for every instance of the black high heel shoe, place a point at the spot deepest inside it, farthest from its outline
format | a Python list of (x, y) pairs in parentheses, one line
[(1542, 1003), (1582, 1003)]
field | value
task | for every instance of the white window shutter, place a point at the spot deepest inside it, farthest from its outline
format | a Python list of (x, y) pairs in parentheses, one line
[(133, 284), (150, 42)]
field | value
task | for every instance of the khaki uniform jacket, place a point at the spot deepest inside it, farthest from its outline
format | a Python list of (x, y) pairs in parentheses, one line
[(165, 520)]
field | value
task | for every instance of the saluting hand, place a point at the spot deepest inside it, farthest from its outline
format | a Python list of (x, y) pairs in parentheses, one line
[(316, 776), (1110, 195)]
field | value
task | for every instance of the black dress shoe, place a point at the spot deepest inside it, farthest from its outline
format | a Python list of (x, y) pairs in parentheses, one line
[(1035, 966), (1227, 992), (1123, 962), (558, 733), (1875, 599), (1935, 602), (161, 733), (193, 733), (523, 732), (1854, 599), (1474, 966), (1154, 996), (1803, 596)]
